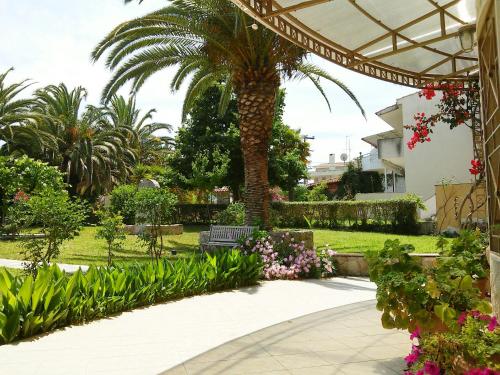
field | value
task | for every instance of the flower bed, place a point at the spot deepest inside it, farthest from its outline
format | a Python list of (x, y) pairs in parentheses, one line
[(31, 306)]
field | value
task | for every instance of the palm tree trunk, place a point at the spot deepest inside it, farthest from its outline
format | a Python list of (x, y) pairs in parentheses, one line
[(256, 109)]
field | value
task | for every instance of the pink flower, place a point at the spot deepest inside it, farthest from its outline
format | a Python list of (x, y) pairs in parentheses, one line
[(462, 318), (415, 333), (431, 368), (493, 324), (411, 358)]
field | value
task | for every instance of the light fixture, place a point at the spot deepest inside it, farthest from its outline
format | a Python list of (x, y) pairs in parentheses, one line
[(466, 37), (254, 26)]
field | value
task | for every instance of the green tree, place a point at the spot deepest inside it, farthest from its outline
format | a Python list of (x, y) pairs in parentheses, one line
[(94, 155), (154, 208), (15, 114), (112, 231), (211, 41), (318, 193), (141, 131), (355, 180), (58, 218)]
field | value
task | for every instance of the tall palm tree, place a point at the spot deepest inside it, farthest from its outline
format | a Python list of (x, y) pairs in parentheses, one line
[(15, 116), (140, 130), (94, 156), (212, 41)]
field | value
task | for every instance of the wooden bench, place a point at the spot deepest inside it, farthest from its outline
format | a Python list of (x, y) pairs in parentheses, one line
[(228, 236)]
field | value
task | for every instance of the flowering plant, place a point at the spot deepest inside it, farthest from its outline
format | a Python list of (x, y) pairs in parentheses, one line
[(474, 349), (289, 259), (458, 105)]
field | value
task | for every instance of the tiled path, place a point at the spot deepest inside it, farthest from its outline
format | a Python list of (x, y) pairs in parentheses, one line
[(157, 338), (345, 340)]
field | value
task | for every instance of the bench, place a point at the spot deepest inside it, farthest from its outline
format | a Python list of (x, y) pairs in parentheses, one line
[(228, 236)]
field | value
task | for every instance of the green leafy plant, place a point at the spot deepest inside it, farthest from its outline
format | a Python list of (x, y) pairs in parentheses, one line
[(123, 202), (112, 231), (154, 208), (54, 299), (234, 214), (411, 296), (58, 218)]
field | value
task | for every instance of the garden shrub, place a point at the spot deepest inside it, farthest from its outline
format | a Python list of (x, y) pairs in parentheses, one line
[(198, 213), (288, 258), (471, 349), (123, 202), (234, 214), (154, 207), (19, 178), (54, 299), (112, 231), (410, 296), (58, 219), (396, 215)]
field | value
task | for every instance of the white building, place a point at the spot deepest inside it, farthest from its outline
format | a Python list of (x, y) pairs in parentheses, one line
[(445, 159), (328, 171)]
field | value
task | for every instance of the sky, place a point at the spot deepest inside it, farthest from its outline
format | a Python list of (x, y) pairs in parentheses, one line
[(50, 42)]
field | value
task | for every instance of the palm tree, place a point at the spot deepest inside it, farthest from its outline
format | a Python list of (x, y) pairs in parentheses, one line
[(94, 156), (140, 131), (212, 41), (15, 116)]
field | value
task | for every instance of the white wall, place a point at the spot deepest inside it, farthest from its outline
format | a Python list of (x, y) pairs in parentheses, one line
[(447, 156)]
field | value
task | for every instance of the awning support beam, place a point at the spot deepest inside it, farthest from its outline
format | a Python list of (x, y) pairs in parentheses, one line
[(302, 5)]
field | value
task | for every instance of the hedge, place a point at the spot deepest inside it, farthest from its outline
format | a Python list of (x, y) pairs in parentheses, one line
[(197, 213), (54, 299), (395, 215)]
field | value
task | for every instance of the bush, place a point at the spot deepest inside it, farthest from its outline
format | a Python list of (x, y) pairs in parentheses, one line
[(123, 202), (234, 214), (395, 215), (31, 306), (154, 207), (198, 213), (287, 258), (112, 231), (59, 219), (410, 296)]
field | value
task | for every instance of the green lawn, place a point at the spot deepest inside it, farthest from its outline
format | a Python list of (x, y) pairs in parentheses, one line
[(359, 242), (85, 249)]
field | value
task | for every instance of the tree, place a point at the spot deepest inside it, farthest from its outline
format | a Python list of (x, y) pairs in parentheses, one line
[(211, 41), (58, 218), (94, 155), (355, 180), (15, 114), (112, 231), (124, 115)]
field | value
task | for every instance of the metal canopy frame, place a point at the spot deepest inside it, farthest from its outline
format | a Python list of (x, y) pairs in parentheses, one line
[(281, 19)]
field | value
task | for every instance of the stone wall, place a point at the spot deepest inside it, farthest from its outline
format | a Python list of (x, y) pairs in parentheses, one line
[(495, 281), (172, 229)]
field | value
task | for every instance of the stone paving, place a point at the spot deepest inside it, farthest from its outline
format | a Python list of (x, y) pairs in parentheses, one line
[(263, 328), (345, 340)]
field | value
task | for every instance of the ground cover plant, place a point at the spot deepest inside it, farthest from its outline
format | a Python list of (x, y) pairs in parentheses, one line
[(53, 299)]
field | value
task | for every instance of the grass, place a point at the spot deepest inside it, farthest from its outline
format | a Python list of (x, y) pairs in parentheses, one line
[(85, 249), (359, 242)]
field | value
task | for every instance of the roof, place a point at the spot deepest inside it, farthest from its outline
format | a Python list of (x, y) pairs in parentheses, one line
[(406, 42), (373, 139), (325, 165)]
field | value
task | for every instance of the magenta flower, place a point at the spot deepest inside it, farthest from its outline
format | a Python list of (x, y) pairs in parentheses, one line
[(493, 324), (415, 333), (462, 318), (411, 358), (431, 368)]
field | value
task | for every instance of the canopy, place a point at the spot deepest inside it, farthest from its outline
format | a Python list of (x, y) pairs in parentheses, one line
[(409, 42)]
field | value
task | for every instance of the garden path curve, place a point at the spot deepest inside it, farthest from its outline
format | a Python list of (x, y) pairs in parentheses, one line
[(154, 339)]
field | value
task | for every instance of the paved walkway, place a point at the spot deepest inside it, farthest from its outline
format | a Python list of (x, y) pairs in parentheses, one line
[(12, 263), (345, 340), (155, 339)]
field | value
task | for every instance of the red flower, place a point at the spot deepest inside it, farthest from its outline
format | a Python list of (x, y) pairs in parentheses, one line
[(462, 318), (428, 92), (493, 324), (431, 368), (415, 333), (477, 167), (21, 196)]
